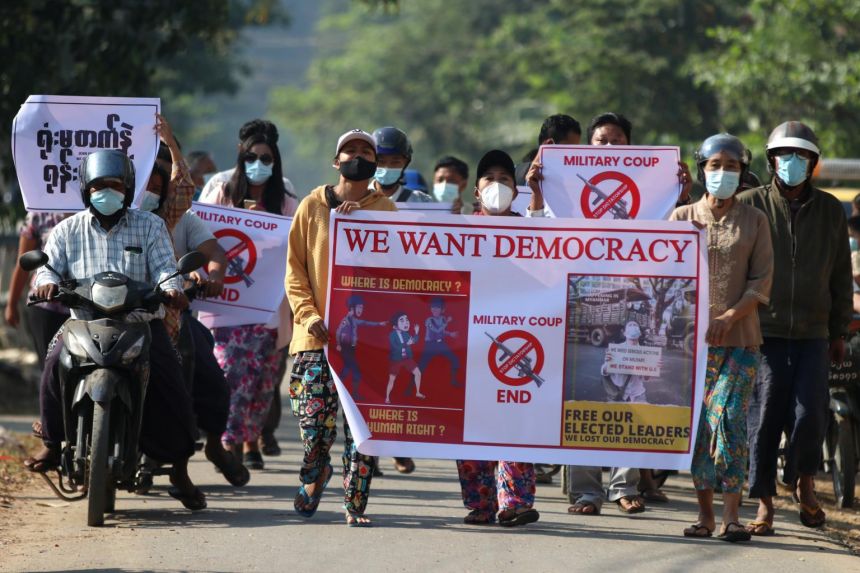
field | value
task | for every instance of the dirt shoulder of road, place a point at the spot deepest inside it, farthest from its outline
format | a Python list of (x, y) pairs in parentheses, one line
[(842, 524), (14, 479)]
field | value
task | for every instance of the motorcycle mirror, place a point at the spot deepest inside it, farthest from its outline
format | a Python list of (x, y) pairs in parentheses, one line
[(190, 261), (32, 260)]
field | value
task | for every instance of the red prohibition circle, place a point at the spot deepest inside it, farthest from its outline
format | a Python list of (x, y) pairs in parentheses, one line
[(520, 350), (245, 244), (625, 186)]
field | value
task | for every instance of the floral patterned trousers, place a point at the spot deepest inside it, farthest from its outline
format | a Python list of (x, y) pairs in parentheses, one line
[(249, 357), (494, 486), (721, 451), (315, 402)]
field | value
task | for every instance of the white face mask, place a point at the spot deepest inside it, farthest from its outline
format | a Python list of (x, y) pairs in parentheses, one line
[(445, 192), (150, 201), (497, 198)]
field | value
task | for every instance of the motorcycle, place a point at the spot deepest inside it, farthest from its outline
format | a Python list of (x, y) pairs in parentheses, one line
[(103, 371), (842, 440)]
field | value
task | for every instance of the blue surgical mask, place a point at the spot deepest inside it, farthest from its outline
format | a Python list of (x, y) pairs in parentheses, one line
[(257, 172), (722, 184), (387, 176), (855, 245), (150, 201), (445, 192), (791, 169), (107, 201), (632, 332)]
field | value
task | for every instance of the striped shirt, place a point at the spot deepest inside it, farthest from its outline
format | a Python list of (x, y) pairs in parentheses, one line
[(138, 246)]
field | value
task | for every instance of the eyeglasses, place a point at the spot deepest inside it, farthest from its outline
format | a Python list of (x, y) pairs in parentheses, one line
[(265, 158)]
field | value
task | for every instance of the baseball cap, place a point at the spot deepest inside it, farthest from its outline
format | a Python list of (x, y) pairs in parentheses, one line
[(496, 158), (353, 134)]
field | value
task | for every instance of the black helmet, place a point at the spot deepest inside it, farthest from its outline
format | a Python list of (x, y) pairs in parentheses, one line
[(392, 141), (792, 134), (717, 143), (104, 164)]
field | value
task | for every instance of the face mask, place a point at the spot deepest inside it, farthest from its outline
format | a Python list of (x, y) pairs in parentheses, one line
[(497, 198), (257, 173), (791, 169), (445, 192), (855, 245), (633, 332), (722, 184), (357, 169), (107, 201), (150, 201), (387, 176)]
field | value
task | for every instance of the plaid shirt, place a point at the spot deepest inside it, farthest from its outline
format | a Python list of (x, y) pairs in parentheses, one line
[(138, 246)]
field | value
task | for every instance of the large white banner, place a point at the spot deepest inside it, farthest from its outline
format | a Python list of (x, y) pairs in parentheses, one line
[(51, 134), (256, 246), (552, 340), (610, 181)]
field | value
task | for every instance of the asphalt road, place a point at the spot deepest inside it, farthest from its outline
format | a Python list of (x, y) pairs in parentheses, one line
[(418, 527)]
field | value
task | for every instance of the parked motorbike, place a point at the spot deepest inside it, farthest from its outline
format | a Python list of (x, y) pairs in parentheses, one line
[(104, 371), (842, 440)]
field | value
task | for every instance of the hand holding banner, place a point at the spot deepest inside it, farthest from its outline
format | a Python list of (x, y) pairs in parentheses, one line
[(51, 134), (610, 182)]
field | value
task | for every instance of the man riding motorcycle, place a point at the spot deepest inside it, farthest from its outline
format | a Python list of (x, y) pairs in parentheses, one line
[(108, 236)]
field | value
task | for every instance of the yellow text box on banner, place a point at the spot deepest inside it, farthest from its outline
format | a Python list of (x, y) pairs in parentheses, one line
[(615, 426)]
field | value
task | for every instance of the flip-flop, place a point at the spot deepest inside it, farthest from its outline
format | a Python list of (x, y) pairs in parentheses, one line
[(195, 502), (233, 471), (521, 518), (354, 520), (583, 505), (404, 465), (43, 465), (812, 516), (735, 535), (632, 508), (479, 517), (753, 528), (654, 495), (696, 529), (308, 500)]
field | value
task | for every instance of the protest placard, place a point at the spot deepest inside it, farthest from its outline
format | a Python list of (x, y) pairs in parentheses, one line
[(256, 246), (633, 359), (486, 337), (51, 134), (610, 181)]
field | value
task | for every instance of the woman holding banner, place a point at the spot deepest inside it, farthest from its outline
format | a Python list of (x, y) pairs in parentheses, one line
[(490, 486), (312, 389), (740, 262), (249, 354)]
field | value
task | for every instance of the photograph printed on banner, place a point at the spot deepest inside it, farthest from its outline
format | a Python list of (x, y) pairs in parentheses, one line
[(397, 349), (630, 339)]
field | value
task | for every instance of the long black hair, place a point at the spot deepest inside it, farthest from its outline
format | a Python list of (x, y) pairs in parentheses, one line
[(274, 193)]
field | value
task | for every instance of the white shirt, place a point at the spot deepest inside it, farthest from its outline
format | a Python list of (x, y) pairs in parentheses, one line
[(210, 190)]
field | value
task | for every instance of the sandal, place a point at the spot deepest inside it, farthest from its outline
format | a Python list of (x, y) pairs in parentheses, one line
[(579, 508), (812, 516), (269, 445), (194, 501), (739, 533), (760, 528), (634, 504), (698, 530), (253, 460), (44, 461), (513, 518), (302, 507), (358, 520), (654, 495), (234, 472), (404, 465), (480, 517)]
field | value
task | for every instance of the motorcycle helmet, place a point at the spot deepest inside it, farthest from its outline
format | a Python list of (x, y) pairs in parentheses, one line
[(792, 135), (392, 141), (106, 164), (721, 142)]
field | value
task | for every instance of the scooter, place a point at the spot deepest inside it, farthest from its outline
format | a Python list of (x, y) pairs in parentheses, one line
[(104, 371)]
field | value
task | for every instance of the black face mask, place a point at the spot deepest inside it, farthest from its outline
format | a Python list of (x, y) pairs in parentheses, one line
[(358, 169)]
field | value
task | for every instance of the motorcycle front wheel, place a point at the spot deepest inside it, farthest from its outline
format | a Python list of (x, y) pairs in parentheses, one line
[(100, 476), (843, 468)]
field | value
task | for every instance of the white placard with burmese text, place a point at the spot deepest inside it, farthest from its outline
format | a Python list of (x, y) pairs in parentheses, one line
[(486, 337)]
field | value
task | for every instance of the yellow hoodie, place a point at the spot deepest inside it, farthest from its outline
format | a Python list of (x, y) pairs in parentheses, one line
[(307, 262)]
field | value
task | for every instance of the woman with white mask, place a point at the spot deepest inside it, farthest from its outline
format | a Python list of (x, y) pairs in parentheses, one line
[(740, 264)]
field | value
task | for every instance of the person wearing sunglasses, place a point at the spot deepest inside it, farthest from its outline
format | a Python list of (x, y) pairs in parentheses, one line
[(250, 354)]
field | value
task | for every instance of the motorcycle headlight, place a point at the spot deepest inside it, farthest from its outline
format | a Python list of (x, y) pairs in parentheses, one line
[(74, 346), (133, 351)]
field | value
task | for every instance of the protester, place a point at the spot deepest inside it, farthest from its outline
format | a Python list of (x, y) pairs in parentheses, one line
[(249, 354), (854, 242), (450, 183), (394, 154), (312, 390), (558, 129), (491, 487), (740, 265), (44, 319), (93, 241), (202, 166), (803, 327)]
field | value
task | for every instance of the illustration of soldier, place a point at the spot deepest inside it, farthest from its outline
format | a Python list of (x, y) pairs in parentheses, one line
[(347, 340), (625, 387), (400, 353), (436, 334)]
